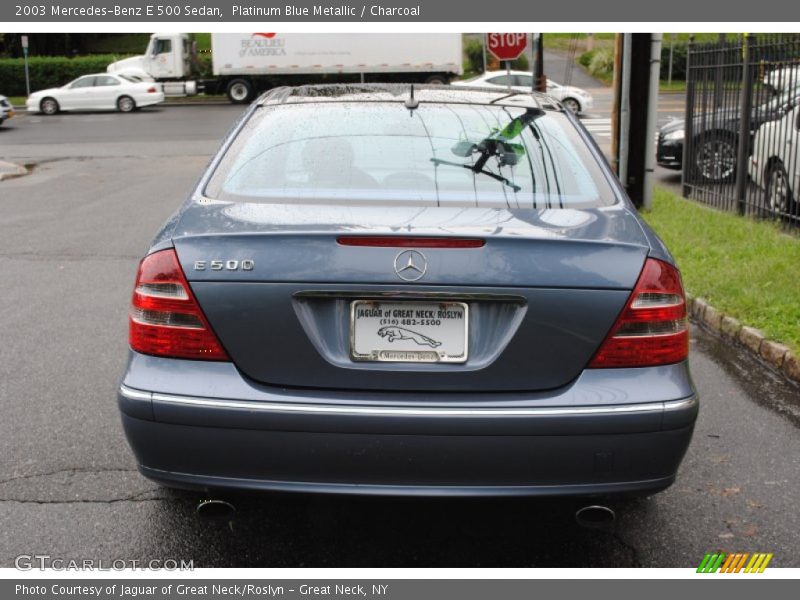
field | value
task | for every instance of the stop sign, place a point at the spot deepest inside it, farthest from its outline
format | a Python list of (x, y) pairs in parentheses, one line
[(506, 46)]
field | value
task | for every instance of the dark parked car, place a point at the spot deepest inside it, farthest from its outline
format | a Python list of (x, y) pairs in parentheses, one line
[(716, 136), (376, 290)]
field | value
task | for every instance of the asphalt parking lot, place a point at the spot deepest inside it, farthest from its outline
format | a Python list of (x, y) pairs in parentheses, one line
[(71, 234)]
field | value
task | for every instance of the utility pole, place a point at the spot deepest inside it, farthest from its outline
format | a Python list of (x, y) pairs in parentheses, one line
[(534, 38), (650, 127), (638, 65), (624, 123), (615, 109), (538, 72)]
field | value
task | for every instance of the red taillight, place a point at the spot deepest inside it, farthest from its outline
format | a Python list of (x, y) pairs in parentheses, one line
[(152, 90), (165, 318), (652, 330), (394, 241)]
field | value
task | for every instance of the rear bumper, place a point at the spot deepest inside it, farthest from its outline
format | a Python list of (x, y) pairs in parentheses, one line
[(669, 154), (297, 441), (150, 99), (407, 464)]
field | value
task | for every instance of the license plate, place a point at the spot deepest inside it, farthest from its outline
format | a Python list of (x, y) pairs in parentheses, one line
[(429, 332)]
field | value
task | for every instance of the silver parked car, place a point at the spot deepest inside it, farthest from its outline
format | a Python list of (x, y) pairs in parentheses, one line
[(380, 290), (6, 109)]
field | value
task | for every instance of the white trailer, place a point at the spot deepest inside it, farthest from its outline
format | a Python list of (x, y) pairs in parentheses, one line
[(245, 64)]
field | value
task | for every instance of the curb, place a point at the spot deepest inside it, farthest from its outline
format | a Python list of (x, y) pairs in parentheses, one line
[(23, 109), (200, 103), (774, 354)]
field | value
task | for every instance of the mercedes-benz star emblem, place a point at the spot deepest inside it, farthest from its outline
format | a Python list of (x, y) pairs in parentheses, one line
[(410, 265)]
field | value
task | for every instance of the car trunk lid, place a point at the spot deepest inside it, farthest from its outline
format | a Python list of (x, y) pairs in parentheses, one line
[(541, 291)]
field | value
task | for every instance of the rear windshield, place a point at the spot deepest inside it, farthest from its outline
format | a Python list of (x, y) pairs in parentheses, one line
[(378, 154)]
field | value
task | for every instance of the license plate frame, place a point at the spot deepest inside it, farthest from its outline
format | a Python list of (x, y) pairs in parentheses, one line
[(414, 339)]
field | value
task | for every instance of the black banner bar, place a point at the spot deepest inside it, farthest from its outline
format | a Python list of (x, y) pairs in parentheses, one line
[(471, 11), (733, 586)]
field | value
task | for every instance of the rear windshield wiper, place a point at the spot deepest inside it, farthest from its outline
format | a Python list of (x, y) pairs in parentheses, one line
[(472, 167)]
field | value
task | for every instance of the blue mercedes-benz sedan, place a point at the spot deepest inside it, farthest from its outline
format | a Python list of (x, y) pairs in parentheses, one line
[(379, 290)]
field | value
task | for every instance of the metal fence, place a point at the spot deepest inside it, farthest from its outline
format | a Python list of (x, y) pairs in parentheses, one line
[(741, 149)]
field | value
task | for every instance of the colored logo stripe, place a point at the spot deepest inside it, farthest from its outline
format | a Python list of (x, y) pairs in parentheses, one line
[(758, 563), (734, 563), (711, 562)]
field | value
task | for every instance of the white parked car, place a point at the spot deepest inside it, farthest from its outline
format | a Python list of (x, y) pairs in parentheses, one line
[(100, 91), (575, 99), (775, 163), (783, 78), (6, 110)]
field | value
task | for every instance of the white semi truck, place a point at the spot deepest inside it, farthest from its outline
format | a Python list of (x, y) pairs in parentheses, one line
[(245, 64)]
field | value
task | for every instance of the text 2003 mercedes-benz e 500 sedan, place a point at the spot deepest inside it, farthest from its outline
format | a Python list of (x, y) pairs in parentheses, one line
[(385, 291)]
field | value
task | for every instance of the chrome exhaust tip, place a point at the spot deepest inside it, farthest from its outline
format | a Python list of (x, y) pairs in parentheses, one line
[(215, 509), (595, 516)]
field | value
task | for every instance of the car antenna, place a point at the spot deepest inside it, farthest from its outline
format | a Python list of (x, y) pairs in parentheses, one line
[(411, 103)]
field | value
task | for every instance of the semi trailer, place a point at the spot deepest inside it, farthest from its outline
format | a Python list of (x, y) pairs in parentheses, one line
[(245, 64)]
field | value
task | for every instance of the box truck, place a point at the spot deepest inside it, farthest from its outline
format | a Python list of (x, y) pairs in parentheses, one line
[(245, 64)]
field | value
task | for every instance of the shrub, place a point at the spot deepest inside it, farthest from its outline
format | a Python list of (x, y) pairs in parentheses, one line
[(602, 63), (48, 71), (474, 53), (586, 58), (521, 64), (678, 61)]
